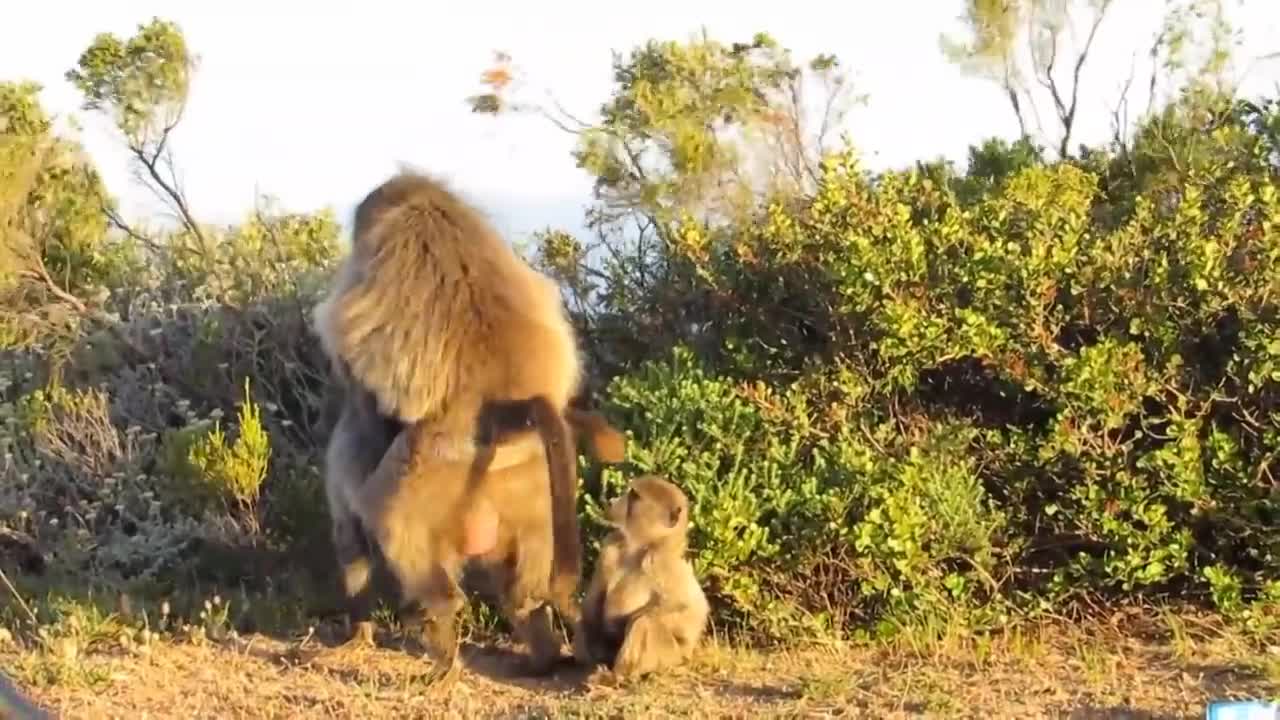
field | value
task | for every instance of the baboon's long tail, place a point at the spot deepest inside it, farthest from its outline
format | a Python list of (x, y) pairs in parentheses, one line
[(562, 467), (607, 443)]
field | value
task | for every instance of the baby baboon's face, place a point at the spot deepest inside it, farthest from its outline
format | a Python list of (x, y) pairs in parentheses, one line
[(651, 509)]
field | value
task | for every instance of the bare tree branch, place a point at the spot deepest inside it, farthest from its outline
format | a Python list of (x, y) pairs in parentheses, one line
[(561, 109), (1045, 76), (1045, 68), (40, 273), (1154, 54), (1120, 114), (1068, 120), (116, 220), (828, 114), (171, 192), (1012, 93)]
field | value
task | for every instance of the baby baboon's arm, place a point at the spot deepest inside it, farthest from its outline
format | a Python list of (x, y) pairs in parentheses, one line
[(631, 594)]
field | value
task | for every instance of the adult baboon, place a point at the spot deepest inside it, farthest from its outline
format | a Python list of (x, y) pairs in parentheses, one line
[(458, 362)]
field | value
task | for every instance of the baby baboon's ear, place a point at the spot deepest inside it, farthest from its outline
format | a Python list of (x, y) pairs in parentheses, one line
[(675, 516)]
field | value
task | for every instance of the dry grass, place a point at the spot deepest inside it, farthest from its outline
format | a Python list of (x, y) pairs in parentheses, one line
[(1129, 665)]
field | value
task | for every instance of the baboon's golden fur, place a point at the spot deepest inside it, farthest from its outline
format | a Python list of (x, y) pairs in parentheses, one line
[(434, 313), (410, 504), (432, 321)]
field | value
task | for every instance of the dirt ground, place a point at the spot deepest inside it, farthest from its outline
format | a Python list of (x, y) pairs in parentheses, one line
[(1105, 669)]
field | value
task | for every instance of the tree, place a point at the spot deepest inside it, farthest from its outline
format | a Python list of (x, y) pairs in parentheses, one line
[(142, 84), (1023, 46), (54, 246), (693, 136), (1000, 30)]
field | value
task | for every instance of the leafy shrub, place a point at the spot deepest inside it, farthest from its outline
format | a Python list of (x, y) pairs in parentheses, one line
[(793, 508), (1065, 395), (77, 489), (232, 474)]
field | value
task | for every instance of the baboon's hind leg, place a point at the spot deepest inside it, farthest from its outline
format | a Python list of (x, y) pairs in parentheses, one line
[(437, 604), (527, 605), (528, 612), (531, 618), (591, 647), (648, 646), (355, 560)]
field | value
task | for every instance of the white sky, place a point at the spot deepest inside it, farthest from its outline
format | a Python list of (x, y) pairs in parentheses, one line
[(316, 102)]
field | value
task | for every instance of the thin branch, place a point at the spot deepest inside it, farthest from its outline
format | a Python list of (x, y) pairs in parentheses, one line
[(827, 115), (41, 274), (1046, 79), (561, 109), (1045, 67), (1069, 120), (117, 221), (17, 596), (1120, 113), (1051, 83), (794, 160), (546, 114), (1154, 54), (170, 189), (1012, 93), (1120, 117), (634, 158), (1035, 61)]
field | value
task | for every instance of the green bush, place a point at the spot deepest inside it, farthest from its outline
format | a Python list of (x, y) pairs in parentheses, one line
[(795, 509), (1042, 404), (231, 474)]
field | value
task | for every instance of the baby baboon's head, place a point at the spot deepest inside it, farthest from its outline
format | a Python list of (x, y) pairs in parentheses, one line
[(651, 510)]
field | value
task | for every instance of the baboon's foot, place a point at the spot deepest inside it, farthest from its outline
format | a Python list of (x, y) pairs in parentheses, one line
[(359, 640), (543, 661), (602, 676), (446, 663), (591, 649), (439, 637), (582, 650), (361, 636), (531, 620), (629, 669)]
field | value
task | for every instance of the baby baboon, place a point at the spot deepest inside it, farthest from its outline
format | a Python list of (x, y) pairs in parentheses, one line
[(644, 609)]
